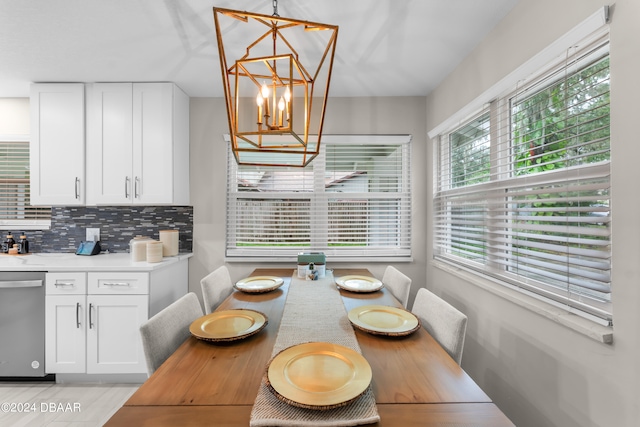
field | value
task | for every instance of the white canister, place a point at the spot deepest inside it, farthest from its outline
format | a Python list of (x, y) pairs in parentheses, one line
[(154, 251), (169, 239), (138, 248)]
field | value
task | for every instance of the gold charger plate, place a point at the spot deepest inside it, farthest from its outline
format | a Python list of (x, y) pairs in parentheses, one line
[(384, 320), (318, 375), (259, 284), (228, 325), (355, 283)]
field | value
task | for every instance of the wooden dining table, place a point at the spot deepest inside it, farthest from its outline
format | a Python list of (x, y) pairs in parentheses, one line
[(414, 380)]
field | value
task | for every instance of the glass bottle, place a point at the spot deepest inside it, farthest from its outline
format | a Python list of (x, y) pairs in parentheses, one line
[(8, 243), (23, 245)]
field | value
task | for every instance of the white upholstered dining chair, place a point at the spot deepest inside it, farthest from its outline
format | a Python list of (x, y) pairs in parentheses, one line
[(398, 283), (216, 286), (444, 322), (167, 330)]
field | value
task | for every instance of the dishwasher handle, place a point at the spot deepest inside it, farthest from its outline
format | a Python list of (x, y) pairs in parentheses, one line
[(20, 283)]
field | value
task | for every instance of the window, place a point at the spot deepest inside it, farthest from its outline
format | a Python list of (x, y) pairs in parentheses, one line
[(15, 209), (353, 201), (522, 189)]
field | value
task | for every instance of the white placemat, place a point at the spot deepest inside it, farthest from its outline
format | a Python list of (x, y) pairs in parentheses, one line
[(313, 312)]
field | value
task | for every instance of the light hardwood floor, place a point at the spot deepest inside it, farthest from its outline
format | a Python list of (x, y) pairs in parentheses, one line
[(60, 405)]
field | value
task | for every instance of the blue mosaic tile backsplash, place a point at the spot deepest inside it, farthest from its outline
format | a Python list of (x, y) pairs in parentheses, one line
[(117, 225)]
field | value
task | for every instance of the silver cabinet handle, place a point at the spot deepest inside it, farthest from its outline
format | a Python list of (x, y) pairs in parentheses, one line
[(77, 189), (64, 284), (117, 284), (77, 315), (90, 319), (136, 193), (126, 187)]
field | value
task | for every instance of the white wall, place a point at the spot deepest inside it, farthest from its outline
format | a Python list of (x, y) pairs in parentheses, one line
[(539, 372), (343, 116), (14, 116)]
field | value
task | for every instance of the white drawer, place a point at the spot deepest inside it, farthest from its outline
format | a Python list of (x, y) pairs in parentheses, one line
[(72, 283), (118, 283)]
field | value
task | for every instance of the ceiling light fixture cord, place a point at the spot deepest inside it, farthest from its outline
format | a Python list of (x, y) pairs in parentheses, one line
[(275, 8)]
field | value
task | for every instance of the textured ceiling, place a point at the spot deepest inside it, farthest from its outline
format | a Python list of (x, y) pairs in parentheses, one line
[(384, 48)]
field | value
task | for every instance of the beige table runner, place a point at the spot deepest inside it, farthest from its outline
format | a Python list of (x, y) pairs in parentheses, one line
[(313, 312)]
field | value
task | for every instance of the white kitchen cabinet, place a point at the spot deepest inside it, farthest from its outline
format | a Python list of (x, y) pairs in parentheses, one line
[(93, 318), (137, 144), (65, 322), (109, 143), (95, 334), (57, 148), (65, 339), (113, 335)]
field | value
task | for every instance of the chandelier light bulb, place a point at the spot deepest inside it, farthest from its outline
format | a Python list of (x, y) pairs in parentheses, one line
[(259, 101), (265, 90), (280, 112)]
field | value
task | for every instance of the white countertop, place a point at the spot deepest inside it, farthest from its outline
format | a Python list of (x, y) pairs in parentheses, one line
[(73, 262)]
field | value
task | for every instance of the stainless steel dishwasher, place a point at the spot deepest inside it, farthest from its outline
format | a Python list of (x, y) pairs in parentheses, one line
[(22, 324)]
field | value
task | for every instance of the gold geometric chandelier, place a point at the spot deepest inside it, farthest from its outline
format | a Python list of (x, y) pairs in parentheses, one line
[(275, 87)]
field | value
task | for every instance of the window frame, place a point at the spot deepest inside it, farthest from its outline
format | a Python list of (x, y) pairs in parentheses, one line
[(319, 201), (500, 111), (43, 223)]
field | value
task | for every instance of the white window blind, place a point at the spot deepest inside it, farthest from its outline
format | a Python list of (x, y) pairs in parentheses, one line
[(15, 209), (523, 192), (353, 200)]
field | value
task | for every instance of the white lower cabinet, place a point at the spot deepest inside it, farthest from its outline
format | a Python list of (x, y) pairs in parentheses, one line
[(66, 336), (93, 318), (93, 321), (113, 337)]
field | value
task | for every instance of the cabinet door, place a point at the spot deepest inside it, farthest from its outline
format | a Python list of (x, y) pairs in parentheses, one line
[(153, 143), (113, 335), (109, 144), (57, 149), (65, 329)]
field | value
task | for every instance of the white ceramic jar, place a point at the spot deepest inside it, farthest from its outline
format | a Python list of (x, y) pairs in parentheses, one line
[(170, 240), (154, 251), (138, 248)]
